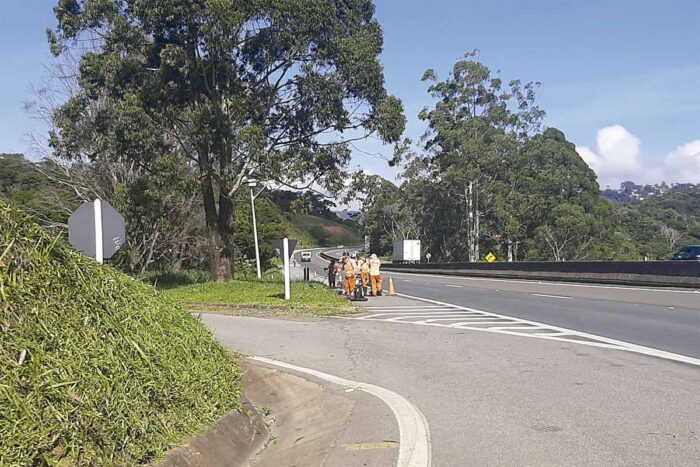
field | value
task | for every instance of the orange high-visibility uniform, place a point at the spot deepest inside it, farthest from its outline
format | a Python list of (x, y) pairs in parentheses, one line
[(375, 276), (349, 270), (364, 273)]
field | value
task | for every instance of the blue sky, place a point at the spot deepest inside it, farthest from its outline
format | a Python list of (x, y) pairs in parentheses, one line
[(621, 78)]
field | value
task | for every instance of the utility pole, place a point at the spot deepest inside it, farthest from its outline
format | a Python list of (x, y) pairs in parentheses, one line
[(252, 184)]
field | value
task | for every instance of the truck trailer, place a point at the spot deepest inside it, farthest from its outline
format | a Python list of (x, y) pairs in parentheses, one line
[(406, 251)]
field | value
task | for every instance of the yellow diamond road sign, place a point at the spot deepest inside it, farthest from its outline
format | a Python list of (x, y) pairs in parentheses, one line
[(490, 257)]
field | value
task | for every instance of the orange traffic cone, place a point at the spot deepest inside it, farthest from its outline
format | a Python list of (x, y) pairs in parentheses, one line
[(392, 289)]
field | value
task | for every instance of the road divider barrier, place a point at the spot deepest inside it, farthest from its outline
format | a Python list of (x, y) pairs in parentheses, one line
[(648, 273)]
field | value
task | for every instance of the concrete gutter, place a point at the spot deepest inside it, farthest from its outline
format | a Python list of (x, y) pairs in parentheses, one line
[(233, 440)]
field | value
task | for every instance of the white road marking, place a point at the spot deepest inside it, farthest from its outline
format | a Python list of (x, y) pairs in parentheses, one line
[(560, 284), (405, 307), (604, 341), (414, 435), (551, 296), (454, 316), (456, 286), (468, 319)]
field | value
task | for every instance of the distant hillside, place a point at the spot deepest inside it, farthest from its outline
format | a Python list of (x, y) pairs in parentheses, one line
[(630, 191), (664, 221), (313, 231)]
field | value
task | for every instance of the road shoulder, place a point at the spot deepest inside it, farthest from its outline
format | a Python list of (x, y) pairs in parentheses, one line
[(311, 423)]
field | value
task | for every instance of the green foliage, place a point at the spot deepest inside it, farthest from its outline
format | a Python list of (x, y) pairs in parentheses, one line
[(25, 184), (239, 88), (97, 368), (271, 225), (488, 179), (660, 224), (169, 279)]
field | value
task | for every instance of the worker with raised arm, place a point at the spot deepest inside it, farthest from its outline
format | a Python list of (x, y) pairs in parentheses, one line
[(375, 275)]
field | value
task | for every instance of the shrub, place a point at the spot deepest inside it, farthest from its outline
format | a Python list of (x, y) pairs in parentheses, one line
[(168, 279)]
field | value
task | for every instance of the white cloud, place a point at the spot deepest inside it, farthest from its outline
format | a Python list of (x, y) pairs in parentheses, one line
[(683, 164), (617, 155), (617, 158)]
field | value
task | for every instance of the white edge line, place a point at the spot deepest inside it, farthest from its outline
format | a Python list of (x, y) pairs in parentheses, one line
[(414, 434), (620, 345), (551, 296)]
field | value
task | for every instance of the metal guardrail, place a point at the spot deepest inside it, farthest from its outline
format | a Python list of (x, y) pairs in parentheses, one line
[(652, 273)]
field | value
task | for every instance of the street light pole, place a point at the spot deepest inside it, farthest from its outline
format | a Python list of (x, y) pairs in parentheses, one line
[(251, 185)]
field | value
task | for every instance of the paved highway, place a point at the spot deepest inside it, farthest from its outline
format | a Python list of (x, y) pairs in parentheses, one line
[(664, 319), (527, 392)]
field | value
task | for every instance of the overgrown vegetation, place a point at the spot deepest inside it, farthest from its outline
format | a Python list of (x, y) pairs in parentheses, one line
[(97, 368)]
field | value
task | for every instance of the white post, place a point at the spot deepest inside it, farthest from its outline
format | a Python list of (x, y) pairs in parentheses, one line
[(255, 234), (287, 285), (98, 231)]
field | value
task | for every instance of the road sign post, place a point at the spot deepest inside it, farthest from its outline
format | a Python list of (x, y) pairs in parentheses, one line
[(285, 248), (97, 230), (287, 284), (99, 251)]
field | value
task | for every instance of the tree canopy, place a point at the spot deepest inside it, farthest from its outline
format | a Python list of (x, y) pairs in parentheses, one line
[(267, 89)]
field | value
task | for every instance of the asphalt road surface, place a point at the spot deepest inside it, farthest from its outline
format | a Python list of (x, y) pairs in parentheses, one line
[(528, 392), (664, 319)]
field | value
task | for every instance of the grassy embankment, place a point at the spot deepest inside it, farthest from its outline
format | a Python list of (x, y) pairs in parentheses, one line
[(260, 298), (97, 368)]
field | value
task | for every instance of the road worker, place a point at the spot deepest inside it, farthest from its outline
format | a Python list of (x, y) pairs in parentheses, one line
[(331, 274), (364, 273), (340, 283), (349, 270), (375, 275)]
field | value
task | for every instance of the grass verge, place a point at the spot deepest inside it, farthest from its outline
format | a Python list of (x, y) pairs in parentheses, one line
[(97, 368), (260, 298)]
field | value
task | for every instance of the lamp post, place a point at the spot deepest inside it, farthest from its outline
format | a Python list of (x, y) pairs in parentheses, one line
[(252, 184)]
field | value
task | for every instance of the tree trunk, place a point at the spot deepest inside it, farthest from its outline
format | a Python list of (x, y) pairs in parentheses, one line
[(472, 223), (219, 233), (477, 224)]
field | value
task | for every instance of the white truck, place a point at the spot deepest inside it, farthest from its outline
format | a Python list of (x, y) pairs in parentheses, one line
[(406, 251)]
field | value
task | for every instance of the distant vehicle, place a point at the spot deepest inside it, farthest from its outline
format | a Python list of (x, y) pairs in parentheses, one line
[(688, 253), (406, 251), (305, 256), (341, 246)]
